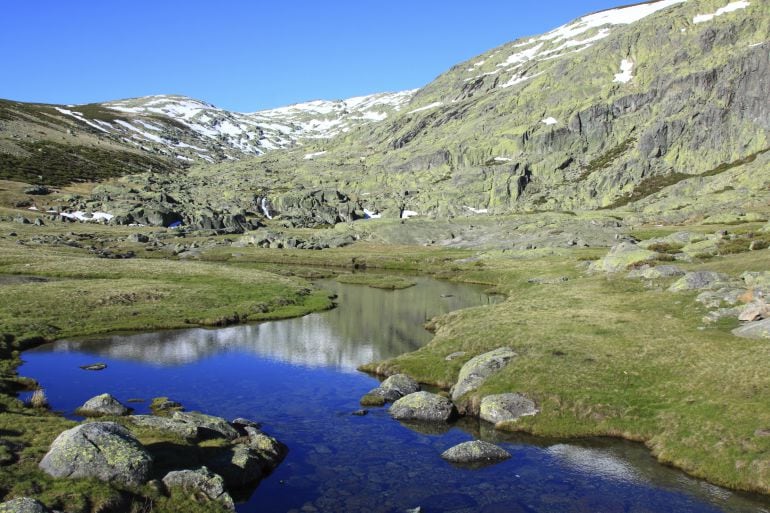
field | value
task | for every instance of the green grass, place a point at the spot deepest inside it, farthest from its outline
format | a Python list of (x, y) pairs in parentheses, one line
[(377, 281), (606, 159)]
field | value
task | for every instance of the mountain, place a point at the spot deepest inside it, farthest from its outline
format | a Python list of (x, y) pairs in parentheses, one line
[(87, 142), (658, 108)]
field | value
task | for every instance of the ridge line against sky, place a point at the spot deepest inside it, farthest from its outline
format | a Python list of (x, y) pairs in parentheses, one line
[(253, 55)]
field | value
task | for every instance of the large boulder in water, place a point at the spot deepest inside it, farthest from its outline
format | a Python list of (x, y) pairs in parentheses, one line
[(201, 483), (423, 406), (23, 505), (479, 368), (101, 450), (393, 388), (476, 451), (103, 404)]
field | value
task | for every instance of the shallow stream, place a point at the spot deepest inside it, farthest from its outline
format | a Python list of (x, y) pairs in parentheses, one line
[(298, 377)]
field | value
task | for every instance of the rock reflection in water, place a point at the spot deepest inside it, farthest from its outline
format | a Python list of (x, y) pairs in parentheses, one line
[(369, 324)]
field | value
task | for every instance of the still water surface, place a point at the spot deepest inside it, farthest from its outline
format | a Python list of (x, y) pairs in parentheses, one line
[(298, 378)]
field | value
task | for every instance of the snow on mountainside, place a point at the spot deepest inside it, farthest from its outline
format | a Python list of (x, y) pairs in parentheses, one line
[(204, 132)]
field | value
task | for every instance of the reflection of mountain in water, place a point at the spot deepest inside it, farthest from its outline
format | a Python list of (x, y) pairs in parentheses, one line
[(369, 324)]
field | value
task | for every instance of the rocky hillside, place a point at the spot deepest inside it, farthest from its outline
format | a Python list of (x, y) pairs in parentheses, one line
[(658, 108), (57, 144)]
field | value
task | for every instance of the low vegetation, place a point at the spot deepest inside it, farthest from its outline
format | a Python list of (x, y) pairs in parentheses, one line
[(377, 281)]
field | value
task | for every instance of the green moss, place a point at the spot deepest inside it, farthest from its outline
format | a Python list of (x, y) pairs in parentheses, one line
[(647, 187), (606, 159)]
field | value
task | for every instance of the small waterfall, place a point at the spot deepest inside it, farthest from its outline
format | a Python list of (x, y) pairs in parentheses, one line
[(265, 209)]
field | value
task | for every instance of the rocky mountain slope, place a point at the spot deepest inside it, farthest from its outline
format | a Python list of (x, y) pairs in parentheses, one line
[(657, 108), (86, 142)]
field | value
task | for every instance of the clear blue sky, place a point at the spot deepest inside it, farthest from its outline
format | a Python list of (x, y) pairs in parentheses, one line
[(249, 55)]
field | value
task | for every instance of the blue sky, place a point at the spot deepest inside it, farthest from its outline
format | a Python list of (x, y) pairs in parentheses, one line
[(249, 55)]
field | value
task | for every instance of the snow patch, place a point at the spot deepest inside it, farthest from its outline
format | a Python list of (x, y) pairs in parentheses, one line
[(518, 79), (549, 121), (427, 107), (733, 6), (371, 215), (477, 210), (311, 156), (82, 216), (502, 159), (626, 69), (406, 214)]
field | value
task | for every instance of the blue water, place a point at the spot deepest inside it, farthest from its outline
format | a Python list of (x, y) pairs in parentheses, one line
[(298, 378)]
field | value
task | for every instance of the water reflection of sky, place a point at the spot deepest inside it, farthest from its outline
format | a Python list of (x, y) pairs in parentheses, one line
[(287, 374)]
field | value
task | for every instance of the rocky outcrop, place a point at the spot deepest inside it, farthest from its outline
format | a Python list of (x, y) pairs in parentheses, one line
[(103, 404), (206, 426), (700, 280), (181, 429), (23, 505), (622, 256), (506, 407), (200, 483), (423, 406), (102, 450), (479, 368), (476, 452), (654, 273)]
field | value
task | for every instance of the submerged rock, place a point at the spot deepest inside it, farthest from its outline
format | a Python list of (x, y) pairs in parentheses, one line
[(200, 483), (103, 404), (94, 366), (479, 368), (423, 406), (476, 451), (506, 407), (101, 450)]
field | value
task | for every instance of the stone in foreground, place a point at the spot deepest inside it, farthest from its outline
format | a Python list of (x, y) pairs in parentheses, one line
[(423, 406), (101, 450), (506, 407), (23, 505), (479, 368), (758, 329), (103, 404), (476, 451), (200, 482)]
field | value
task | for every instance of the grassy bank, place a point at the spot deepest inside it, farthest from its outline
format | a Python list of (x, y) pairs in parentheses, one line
[(604, 355)]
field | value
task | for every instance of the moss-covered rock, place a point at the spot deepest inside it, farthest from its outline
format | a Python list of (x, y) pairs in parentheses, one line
[(700, 280), (202, 484), (423, 406), (23, 505), (101, 450), (506, 407), (476, 452), (479, 368), (622, 256), (103, 404)]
